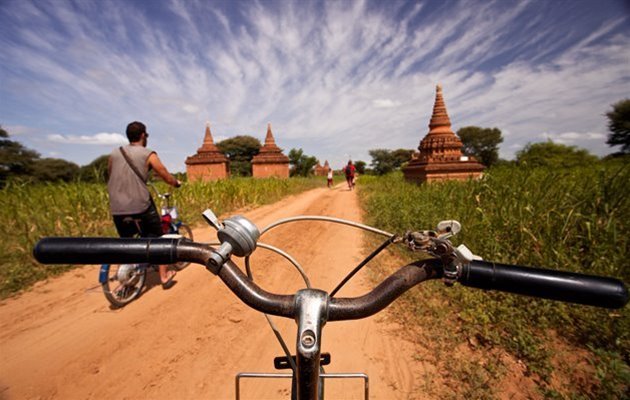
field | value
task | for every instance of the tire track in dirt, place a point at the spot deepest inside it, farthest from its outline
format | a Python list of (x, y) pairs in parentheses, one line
[(61, 340)]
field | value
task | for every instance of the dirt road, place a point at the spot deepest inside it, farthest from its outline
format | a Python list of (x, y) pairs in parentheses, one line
[(62, 340)]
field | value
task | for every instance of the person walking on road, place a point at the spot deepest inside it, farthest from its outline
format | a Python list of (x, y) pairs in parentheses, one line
[(350, 171), (330, 177), (131, 205)]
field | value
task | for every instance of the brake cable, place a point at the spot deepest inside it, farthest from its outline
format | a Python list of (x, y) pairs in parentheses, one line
[(391, 239), (362, 264)]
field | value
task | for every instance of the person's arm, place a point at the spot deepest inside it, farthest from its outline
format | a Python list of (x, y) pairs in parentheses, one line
[(156, 164)]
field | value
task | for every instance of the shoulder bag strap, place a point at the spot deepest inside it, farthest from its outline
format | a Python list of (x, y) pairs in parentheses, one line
[(133, 167)]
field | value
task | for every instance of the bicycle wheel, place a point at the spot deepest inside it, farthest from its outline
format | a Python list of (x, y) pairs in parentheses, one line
[(186, 232), (124, 283)]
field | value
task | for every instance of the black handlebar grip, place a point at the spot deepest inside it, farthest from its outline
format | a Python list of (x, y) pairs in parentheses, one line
[(549, 284), (68, 250)]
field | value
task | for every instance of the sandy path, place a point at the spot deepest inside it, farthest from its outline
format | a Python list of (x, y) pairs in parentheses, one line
[(61, 339)]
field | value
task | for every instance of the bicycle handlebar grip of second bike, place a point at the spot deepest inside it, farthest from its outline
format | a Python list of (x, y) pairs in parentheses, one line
[(549, 284), (67, 250)]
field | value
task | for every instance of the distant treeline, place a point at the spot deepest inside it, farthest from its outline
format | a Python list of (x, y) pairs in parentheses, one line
[(21, 163)]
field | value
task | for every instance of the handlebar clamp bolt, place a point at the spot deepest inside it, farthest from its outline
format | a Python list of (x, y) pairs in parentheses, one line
[(213, 265), (218, 257), (308, 339), (451, 273)]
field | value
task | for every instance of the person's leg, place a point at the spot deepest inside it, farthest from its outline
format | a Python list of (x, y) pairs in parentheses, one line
[(152, 227), (166, 276), (126, 226)]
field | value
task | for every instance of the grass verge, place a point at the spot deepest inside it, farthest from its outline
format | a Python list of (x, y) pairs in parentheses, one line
[(31, 212), (572, 219)]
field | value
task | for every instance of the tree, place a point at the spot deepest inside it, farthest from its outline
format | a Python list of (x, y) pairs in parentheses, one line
[(549, 154), (301, 164), (382, 161), (96, 171), (401, 156), (481, 143), (619, 125), (385, 161), (15, 159), (54, 169), (240, 150), (360, 166)]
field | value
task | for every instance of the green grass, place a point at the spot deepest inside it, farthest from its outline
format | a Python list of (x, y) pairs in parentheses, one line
[(575, 219), (30, 212)]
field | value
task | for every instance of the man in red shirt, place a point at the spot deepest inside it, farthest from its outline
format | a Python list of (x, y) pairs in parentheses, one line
[(350, 171)]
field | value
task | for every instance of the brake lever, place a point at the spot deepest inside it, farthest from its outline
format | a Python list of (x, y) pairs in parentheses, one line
[(436, 243), (419, 241)]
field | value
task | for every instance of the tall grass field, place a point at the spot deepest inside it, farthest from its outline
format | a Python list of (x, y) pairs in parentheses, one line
[(570, 219), (30, 212)]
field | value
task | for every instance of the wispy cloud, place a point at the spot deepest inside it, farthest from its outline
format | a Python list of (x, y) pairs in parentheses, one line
[(100, 139), (573, 138), (333, 77)]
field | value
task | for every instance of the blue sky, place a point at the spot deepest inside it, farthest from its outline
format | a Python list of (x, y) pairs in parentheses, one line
[(335, 78)]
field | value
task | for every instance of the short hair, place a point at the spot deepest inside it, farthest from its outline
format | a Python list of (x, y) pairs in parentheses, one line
[(135, 131)]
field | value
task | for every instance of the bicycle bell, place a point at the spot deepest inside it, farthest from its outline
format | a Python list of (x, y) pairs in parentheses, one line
[(238, 232)]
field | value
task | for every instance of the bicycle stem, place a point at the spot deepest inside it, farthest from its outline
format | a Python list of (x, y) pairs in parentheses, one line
[(312, 312)]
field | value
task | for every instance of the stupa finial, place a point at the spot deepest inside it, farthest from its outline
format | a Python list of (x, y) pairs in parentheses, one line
[(269, 138), (207, 139), (440, 122)]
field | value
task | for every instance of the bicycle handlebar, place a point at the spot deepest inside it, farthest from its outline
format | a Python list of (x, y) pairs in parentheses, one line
[(167, 251), (105, 251), (545, 283), (550, 284)]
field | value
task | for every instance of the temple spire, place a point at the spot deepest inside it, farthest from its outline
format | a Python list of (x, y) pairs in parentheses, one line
[(270, 161), (440, 143), (208, 137), (270, 143), (208, 163), (269, 140), (208, 143), (440, 122)]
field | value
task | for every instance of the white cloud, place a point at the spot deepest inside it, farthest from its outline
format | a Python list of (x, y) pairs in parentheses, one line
[(102, 139), (385, 103), (190, 108), (18, 130), (570, 138)]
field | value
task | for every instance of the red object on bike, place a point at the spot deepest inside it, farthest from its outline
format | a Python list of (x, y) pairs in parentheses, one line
[(350, 170), (166, 223)]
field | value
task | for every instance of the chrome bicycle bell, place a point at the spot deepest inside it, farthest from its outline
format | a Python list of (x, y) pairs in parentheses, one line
[(237, 235), (241, 233)]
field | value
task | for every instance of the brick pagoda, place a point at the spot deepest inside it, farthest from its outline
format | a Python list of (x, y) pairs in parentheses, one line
[(209, 163), (440, 156), (270, 161), (321, 171)]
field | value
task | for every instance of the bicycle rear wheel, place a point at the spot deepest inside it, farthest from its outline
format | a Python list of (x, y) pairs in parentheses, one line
[(124, 283), (185, 231)]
